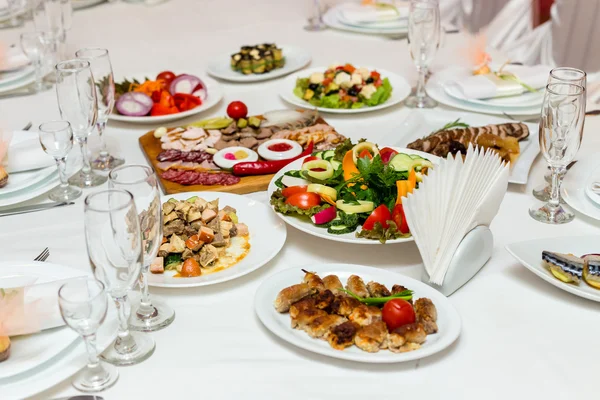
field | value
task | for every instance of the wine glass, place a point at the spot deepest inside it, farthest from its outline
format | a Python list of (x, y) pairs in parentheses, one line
[(141, 181), (561, 129), (56, 138), (105, 94), (76, 93), (423, 42), (558, 75), (35, 46), (83, 305), (114, 245), (315, 22), (54, 18)]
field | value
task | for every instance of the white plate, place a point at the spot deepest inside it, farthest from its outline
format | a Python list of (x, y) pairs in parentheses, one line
[(421, 123), (400, 90), (267, 236), (79, 4), (305, 224), (30, 192), (574, 186), (295, 59), (19, 83), (529, 253), (593, 177), (399, 24), (436, 90), (332, 20), (21, 180), (448, 319), (31, 351), (525, 100), (15, 75), (214, 95)]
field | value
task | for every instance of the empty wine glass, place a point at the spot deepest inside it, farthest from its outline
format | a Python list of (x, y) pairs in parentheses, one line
[(558, 75), (76, 93), (141, 181), (35, 47), (114, 245), (56, 138), (561, 128), (83, 305), (315, 22), (105, 94), (54, 18), (423, 42)]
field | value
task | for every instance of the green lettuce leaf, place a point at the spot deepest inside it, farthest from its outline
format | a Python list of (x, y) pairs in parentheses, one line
[(381, 95), (378, 233), (278, 203), (331, 101)]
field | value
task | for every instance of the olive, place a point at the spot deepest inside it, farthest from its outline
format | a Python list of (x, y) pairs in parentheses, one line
[(457, 147), (313, 86), (370, 80), (353, 91), (332, 92)]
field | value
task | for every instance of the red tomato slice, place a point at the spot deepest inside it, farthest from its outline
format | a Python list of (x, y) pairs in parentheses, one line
[(399, 218), (376, 75), (292, 190), (309, 158), (304, 200), (386, 154), (381, 214), (397, 312), (365, 153)]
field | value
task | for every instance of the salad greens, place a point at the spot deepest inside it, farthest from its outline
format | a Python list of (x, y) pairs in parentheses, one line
[(377, 301)]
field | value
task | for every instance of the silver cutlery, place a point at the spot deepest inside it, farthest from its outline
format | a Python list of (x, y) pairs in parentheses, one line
[(33, 208), (28, 126), (82, 397), (43, 256)]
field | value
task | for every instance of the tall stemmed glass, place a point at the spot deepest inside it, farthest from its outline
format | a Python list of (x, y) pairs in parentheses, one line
[(54, 18), (83, 305), (56, 138), (423, 42), (561, 130), (114, 245), (560, 75), (141, 181), (76, 93), (315, 22), (105, 94), (35, 47)]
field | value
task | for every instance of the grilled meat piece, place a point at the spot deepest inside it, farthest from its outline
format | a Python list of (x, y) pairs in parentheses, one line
[(290, 295), (208, 255), (414, 332), (406, 347), (565, 267), (365, 315), (376, 289), (318, 327), (426, 314), (301, 305), (324, 299), (264, 133), (333, 283), (398, 289), (344, 305), (306, 316), (313, 280), (356, 285), (232, 128), (372, 337), (342, 336), (174, 227)]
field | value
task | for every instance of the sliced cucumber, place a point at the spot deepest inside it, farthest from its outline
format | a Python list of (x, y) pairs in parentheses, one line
[(339, 229), (336, 164), (319, 154), (401, 162), (415, 156), (328, 154)]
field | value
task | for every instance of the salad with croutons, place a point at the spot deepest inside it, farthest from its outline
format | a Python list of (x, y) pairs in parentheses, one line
[(344, 86)]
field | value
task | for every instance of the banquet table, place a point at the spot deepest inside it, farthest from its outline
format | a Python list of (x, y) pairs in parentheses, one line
[(518, 332)]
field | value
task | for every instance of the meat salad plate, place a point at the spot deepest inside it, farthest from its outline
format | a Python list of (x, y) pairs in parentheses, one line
[(295, 58), (421, 123), (267, 235), (305, 225), (576, 183), (529, 253), (214, 94), (448, 320)]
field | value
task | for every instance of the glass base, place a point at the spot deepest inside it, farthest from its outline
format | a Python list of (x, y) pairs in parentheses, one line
[(542, 193), (63, 195), (97, 379), (86, 181), (162, 317), (142, 349), (315, 25), (106, 163), (550, 215), (420, 102)]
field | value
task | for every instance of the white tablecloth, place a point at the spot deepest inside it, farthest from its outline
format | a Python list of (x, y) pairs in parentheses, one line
[(521, 337)]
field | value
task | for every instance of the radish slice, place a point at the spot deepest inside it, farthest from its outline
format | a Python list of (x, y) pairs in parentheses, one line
[(186, 84), (134, 104), (292, 181), (201, 93), (324, 216)]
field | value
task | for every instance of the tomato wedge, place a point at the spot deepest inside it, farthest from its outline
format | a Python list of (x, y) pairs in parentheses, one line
[(185, 102), (381, 214), (304, 200), (365, 153), (399, 218), (292, 190)]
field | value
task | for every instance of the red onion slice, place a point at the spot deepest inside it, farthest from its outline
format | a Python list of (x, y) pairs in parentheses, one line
[(134, 104), (186, 84)]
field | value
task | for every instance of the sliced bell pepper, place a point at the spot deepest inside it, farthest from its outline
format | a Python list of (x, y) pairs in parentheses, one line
[(349, 68), (399, 218), (348, 166), (160, 109), (412, 180), (185, 102)]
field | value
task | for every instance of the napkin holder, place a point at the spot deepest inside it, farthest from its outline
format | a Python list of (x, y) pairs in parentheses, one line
[(471, 255)]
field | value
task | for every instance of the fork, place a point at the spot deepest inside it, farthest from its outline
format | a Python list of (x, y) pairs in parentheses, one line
[(43, 256), (28, 126)]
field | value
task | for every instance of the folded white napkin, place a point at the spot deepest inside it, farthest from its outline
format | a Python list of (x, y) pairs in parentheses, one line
[(368, 14), (14, 59), (25, 153), (489, 86)]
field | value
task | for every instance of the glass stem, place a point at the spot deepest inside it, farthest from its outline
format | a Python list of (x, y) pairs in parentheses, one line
[(103, 153), (146, 309), (554, 201), (86, 168), (90, 346), (61, 163), (39, 74), (125, 343), (420, 92), (317, 9)]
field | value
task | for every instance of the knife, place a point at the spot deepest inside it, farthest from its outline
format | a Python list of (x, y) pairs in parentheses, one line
[(82, 397), (33, 208)]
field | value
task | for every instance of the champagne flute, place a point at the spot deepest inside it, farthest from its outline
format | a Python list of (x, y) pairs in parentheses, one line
[(35, 46), (56, 138), (105, 94), (83, 305), (561, 130), (76, 93), (315, 22), (423, 42), (141, 181), (558, 75), (114, 245)]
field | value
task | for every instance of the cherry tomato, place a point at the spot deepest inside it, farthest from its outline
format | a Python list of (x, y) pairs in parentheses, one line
[(237, 110), (166, 76), (397, 312), (190, 268), (304, 201), (292, 190), (375, 75), (365, 153), (399, 218), (386, 154), (381, 214), (349, 68)]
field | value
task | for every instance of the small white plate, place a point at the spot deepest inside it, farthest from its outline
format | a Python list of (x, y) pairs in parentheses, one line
[(400, 91), (214, 95), (574, 186), (524, 100), (332, 19), (15, 75), (305, 224), (21, 180), (593, 177), (529, 253), (19, 83), (396, 25), (30, 192), (448, 319), (267, 236), (421, 123), (295, 59)]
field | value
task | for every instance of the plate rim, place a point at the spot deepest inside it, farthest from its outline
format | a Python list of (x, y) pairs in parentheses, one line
[(44, 172), (24, 194), (569, 181), (330, 19)]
